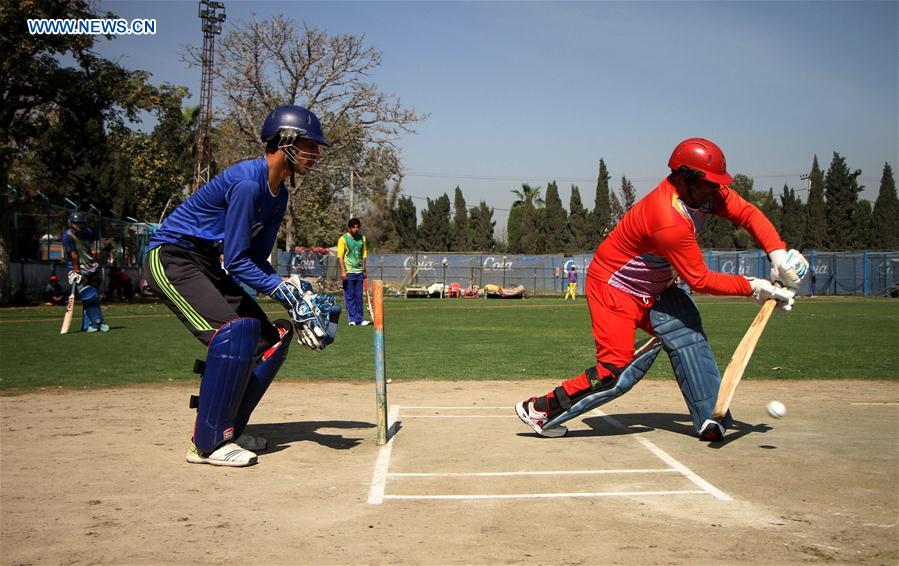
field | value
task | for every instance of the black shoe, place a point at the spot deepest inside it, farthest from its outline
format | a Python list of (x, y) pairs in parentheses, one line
[(712, 431)]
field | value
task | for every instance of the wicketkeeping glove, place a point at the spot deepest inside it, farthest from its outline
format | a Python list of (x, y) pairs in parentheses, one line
[(788, 267), (314, 316), (762, 290)]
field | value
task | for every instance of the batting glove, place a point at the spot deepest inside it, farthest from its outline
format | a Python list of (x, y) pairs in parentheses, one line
[(74, 278), (788, 267), (762, 290)]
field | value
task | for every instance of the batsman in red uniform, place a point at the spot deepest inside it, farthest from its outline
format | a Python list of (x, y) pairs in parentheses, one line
[(631, 284)]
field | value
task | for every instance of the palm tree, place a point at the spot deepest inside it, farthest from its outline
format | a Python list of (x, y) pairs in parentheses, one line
[(527, 195)]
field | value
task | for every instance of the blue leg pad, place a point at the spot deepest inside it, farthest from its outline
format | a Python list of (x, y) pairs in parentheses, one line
[(676, 322), (626, 379), (228, 365), (90, 300), (262, 376)]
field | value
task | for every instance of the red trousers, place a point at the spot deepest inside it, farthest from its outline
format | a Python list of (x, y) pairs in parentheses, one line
[(615, 315)]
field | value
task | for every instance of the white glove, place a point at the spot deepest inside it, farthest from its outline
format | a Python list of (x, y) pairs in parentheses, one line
[(74, 278), (762, 290), (788, 267)]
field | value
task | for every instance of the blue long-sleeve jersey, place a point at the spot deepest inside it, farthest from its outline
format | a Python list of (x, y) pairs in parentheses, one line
[(235, 214)]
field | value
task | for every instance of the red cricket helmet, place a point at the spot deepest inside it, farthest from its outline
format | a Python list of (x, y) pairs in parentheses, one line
[(702, 156)]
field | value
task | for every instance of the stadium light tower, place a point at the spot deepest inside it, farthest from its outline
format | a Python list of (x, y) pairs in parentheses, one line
[(212, 14)]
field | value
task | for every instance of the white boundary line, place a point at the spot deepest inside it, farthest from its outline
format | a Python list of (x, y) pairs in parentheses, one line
[(668, 459), (549, 495), (379, 479), (376, 494), (539, 473)]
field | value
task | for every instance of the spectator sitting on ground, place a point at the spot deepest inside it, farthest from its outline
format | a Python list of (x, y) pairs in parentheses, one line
[(53, 292), (120, 286)]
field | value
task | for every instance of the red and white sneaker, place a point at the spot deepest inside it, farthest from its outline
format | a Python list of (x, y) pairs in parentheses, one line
[(535, 419)]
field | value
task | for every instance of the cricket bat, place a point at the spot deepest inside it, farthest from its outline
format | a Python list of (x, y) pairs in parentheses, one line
[(371, 311), (737, 365), (70, 308)]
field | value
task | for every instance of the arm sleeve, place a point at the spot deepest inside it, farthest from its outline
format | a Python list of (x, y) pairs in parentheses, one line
[(263, 244), (741, 212), (341, 248), (364, 247), (239, 219), (679, 246)]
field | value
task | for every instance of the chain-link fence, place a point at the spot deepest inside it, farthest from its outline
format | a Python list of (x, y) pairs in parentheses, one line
[(869, 273)]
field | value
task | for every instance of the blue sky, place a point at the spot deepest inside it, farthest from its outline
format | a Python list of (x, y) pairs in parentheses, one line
[(534, 91)]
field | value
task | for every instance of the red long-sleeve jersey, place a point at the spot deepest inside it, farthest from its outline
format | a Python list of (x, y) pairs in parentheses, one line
[(658, 237)]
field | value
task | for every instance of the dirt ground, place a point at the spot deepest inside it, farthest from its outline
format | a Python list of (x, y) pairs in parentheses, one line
[(99, 477)]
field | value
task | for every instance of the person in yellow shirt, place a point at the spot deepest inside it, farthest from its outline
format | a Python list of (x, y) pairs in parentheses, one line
[(572, 284), (351, 253)]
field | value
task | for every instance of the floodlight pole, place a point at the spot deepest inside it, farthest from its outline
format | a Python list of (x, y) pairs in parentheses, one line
[(212, 20)]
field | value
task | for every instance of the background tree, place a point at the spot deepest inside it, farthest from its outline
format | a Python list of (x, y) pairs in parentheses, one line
[(841, 199), (771, 208), (863, 236), (885, 218), (815, 217), (580, 236), (628, 194), (434, 232), (533, 235), (461, 227), (616, 210), (378, 219), (405, 219), (482, 226), (554, 222), (792, 219), (55, 120), (527, 195), (265, 63), (602, 206), (513, 229)]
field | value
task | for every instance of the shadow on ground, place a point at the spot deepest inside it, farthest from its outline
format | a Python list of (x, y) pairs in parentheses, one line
[(678, 423), (281, 435)]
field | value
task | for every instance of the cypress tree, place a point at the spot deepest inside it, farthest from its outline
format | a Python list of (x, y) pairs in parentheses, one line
[(513, 229), (461, 229), (885, 218), (616, 210), (405, 218), (628, 194), (482, 225), (579, 235), (602, 211), (554, 222), (791, 219), (864, 235), (533, 237), (815, 216), (771, 209), (841, 199), (434, 233)]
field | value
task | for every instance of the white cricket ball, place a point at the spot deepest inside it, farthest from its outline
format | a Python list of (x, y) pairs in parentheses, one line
[(776, 409)]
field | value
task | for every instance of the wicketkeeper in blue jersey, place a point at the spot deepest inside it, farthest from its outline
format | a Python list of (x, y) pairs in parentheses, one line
[(223, 235)]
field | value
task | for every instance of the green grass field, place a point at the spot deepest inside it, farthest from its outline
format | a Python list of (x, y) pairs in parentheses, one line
[(826, 338)]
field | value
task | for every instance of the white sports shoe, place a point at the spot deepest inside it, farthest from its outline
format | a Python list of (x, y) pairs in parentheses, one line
[(535, 419), (351, 323), (251, 442), (364, 323), (229, 454)]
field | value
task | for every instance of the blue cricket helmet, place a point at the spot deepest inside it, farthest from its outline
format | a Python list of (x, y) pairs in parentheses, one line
[(76, 218), (292, 119)]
